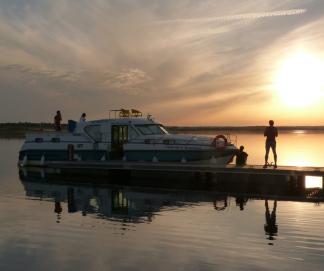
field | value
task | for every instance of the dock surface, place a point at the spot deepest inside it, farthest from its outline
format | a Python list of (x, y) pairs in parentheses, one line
[(186, 167)]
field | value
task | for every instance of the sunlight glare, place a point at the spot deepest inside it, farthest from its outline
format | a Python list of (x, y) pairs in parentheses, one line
[(300, 80), (313, 182)]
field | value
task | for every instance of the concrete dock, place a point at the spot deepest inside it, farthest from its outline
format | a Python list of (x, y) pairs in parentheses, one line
[(186, 167)]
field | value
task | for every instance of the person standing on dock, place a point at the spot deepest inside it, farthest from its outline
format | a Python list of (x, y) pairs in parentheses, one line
[(271, 133), (57, 121)]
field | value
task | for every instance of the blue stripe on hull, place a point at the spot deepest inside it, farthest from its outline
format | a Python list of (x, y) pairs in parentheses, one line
[(96, 155), (62, 155)]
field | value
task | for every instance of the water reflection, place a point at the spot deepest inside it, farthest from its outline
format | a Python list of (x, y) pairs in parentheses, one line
[(102, 202), (220, 204), (141, 205), (271, 228), (241, 202), (58, 210), (314, 182)]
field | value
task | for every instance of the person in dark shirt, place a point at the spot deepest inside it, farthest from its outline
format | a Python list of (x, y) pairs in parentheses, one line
[(241, 157), (57, 121), (270, 133)]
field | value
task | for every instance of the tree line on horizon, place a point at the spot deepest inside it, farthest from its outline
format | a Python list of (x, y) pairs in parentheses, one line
[(18, 129)]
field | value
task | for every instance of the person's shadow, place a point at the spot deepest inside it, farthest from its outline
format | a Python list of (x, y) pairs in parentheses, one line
[(271, 228)]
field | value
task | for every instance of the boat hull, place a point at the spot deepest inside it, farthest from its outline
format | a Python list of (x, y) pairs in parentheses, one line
[(40, 157), (180, 156)]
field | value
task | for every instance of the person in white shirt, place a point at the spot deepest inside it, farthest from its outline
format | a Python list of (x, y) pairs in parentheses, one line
[(83, 117)]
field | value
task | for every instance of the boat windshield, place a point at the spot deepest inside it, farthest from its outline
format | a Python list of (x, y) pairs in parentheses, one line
[(151, 129)]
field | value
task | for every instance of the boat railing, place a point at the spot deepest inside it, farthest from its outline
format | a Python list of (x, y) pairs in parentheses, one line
[(231, 139), (45, 133), (124, 113)]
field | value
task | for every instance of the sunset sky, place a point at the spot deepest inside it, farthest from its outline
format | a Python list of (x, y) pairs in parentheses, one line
[(187, 62)]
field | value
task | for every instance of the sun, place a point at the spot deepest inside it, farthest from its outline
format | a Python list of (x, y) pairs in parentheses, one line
[(300, 81)]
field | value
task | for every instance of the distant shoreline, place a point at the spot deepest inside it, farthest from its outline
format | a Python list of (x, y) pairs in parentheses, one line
[(19, 129)]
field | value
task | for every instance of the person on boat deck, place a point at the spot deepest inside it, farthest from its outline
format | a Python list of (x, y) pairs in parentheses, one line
[(271, 133), (57, 121), (241, 157), (83, 117)]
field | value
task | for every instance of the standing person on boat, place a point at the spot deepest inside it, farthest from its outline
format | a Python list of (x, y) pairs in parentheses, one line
[(83, 117), (271, 133), (57, 121)]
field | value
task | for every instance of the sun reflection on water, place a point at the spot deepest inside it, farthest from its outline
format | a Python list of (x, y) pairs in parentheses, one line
[(314, 182), (299, 132)]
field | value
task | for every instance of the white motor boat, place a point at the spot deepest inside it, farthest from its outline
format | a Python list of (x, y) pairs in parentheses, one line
[(127, 137)]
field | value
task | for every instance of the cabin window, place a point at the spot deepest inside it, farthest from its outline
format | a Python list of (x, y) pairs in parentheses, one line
[(132, 133), (39, 139), (56, 139), (151, 129), (94, 132)]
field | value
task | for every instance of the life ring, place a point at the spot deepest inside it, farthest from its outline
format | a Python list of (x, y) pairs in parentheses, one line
[(214, 143)]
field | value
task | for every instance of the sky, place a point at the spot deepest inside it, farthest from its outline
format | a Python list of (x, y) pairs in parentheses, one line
[(186, 62)]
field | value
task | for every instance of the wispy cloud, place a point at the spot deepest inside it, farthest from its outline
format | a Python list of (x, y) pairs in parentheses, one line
[(244, 16), (130, 81), (39, 73)]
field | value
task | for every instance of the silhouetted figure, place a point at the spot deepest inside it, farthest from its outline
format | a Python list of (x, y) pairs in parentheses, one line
[(271, 133), (271, 228), (241, 157), (83, 117), (57, 121)]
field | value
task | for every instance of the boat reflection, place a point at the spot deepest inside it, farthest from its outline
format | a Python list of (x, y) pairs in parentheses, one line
[(134, 204)]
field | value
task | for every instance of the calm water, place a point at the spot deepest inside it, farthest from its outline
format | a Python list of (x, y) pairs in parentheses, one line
[(298, 148), (52, 225)]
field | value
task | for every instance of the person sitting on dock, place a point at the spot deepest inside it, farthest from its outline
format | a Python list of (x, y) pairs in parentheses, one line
[(83, 117), (271, 133), (241, 157), (57, 121)]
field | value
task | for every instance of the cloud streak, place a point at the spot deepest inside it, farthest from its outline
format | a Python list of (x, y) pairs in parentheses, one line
[(37, 73), (131, 81), (246, 16)]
